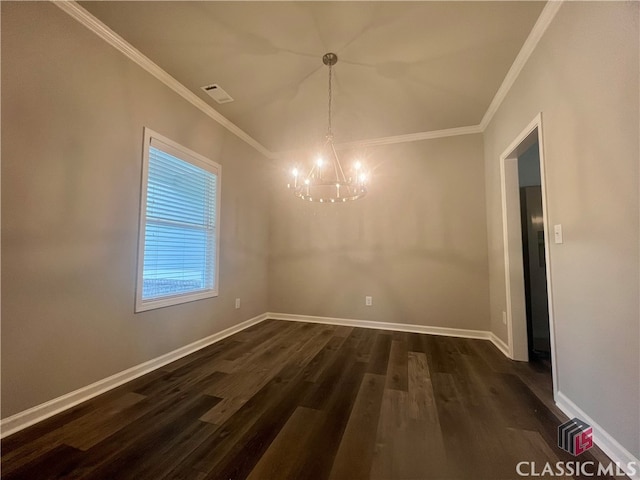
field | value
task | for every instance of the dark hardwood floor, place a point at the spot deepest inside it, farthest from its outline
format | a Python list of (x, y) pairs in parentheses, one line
[(285, 400)]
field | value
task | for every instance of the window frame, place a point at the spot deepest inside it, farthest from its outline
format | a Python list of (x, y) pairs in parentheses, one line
[(189, 156)]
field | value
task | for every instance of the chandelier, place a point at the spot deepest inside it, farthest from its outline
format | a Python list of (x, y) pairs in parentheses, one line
[(325, 181)]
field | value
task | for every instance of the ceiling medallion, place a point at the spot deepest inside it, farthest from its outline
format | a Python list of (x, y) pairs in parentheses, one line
[(325, 181)]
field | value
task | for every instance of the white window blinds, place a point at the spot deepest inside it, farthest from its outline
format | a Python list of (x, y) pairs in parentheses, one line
[(180, 227)]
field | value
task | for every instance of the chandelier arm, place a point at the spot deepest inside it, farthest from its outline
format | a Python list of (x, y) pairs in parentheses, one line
[(334, 160), (342, 178)]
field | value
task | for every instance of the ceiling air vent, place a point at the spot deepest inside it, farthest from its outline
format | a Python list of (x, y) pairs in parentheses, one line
[(216, 92)]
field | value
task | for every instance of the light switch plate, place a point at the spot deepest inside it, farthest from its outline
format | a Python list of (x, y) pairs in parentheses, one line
[(557, 233)]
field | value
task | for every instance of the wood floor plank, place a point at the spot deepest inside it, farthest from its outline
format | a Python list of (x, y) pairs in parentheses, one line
[(237, 388), (55, 463), (277, 461), (407, 448), (316, 368), (312, 401), (421, 400), (155, 465), (264, 351), (214, 449), (258, 333), (241, 458), (96, 426), (455, 427), (355, 453), (223, 347), (235, 393), (320, 393), (318, 340), (189, 377), (82, 432), (440, 354), (155, 444), (393, 418), (46, 427), (397, 371), (36, 446), (159, 415), (363, 352), (414, 342), (337, 409), (493, 357), (342, 331), (379, 359)]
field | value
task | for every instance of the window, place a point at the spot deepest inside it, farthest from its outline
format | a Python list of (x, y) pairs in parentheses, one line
[(179, 235)]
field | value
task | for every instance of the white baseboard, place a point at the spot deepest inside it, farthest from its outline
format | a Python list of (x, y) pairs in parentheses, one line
[(499, 343), (45, 410), (398, 327), (609, 445)]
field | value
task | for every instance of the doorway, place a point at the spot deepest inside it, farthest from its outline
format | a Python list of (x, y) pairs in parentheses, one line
[(534, 255), (529, 303)]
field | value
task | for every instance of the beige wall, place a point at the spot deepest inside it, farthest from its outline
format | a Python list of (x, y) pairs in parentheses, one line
[(73, 111), (416, 243), (583, 77)]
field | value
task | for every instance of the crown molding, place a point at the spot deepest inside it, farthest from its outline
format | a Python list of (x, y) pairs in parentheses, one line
[(112, 38), (412, 137), (376, 142), (544, 20)]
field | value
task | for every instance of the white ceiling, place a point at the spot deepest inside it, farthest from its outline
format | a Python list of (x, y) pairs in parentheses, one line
[(404, 67)]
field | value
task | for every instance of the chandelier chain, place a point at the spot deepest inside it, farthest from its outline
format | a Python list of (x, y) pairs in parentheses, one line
[(330, 98)]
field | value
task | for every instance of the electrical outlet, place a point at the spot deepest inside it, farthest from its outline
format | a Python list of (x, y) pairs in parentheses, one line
[(237, 303), (504, 317), (368, 301)]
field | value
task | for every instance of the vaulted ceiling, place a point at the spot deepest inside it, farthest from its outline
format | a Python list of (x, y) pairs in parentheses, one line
[(404, 67)]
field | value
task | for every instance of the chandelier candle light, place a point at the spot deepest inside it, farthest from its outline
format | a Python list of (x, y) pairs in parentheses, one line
[(326, 181)]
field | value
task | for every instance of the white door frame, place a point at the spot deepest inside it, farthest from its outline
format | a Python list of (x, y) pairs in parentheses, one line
[(513, 264)]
